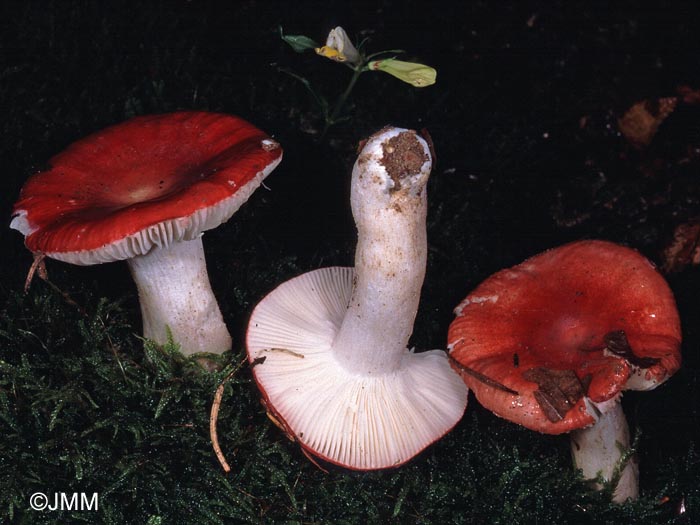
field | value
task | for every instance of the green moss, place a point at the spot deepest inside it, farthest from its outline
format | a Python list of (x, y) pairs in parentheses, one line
[(86, 406)]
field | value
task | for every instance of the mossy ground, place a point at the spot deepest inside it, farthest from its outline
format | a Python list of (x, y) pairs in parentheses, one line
[(524, 122)]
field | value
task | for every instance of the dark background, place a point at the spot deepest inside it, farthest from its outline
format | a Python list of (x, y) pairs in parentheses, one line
[(524, 119)]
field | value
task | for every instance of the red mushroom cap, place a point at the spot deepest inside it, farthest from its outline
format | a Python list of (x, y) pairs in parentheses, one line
[(580, 322), (149, 181)]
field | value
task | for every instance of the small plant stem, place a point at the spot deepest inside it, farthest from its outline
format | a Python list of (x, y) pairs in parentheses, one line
[(330, 120)]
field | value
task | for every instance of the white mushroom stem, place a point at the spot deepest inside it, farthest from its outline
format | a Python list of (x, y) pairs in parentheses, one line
[(603, 449), (175, 295), (329, 347), (389, 206)]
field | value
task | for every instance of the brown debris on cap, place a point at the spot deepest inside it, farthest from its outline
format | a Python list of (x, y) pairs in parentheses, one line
[(558, 392)]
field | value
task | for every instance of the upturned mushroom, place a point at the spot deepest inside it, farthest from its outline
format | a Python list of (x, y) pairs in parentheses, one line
[(329, 347), (551, 344), (144, 191)]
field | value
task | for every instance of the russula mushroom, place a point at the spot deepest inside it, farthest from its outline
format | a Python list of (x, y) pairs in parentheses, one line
[(551, 344), (328, 348), (144, 191)]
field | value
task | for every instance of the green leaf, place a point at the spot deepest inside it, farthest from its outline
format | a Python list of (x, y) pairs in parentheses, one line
[(299, 43)]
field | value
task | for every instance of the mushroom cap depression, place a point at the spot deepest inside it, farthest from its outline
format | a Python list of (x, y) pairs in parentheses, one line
[(546, 343), (150, 181)]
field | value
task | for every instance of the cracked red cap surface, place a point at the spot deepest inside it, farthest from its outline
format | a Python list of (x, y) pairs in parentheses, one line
[(578, 323), (151, 180)]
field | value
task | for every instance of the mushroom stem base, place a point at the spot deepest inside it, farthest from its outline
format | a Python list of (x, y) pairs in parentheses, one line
[(175, 295), (602, 450)]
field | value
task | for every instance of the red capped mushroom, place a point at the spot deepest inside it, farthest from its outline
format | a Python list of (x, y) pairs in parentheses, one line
[(551, 344), (329, 347), (144, 191)]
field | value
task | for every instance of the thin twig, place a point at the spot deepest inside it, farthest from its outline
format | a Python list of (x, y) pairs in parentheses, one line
[(214, 416), (481, 377), (313, 460), (37, 265), (284, 351)]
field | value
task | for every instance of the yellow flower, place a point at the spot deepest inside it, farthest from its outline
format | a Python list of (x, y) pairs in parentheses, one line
[(339, 47), (418, 75)]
